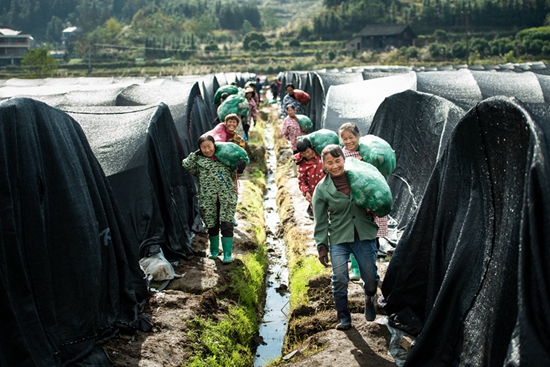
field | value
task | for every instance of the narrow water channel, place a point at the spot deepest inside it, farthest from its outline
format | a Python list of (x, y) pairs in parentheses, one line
[(274, 322)]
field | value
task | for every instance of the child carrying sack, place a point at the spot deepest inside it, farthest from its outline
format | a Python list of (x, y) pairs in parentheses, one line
[(305, 123), (378, 152), (369, 189), (321, 138), (230, 153), (229, 89)]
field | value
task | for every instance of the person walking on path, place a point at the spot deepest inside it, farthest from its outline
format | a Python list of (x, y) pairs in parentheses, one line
[(249, 93), (275, 88), (291, 128), (349, 137), (296, 98), (217, 195), (342, 228), (258, 86), (226, 131), (310, 171)]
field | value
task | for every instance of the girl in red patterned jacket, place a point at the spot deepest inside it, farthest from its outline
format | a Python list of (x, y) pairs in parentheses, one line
[(310, 170)]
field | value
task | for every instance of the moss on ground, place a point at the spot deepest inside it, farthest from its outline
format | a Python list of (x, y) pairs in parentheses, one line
[(303, 268), (229, 340)]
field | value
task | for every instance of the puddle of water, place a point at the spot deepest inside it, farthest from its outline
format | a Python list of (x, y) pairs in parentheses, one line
[(274, 322)]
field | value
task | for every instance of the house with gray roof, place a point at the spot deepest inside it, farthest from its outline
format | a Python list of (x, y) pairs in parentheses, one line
[(13, 45), (381, 36)]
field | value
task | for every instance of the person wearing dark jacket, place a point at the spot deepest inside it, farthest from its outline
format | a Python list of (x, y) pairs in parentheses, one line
[(342, 228), (217, 195)]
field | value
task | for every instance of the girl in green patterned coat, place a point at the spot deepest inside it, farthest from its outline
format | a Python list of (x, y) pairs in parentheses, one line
[(217, 195)]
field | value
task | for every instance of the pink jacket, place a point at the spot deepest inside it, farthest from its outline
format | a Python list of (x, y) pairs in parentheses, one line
[(220, 133)]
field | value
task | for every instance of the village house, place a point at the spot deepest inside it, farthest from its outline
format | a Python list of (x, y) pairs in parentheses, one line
[(68, 34), (13, 45), (381, 36)]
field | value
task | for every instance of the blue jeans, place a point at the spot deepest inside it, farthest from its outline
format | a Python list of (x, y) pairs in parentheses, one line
[(365, 253)]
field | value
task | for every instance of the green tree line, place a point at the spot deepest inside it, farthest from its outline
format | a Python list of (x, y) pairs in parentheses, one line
[(45, 19), (341, 19)]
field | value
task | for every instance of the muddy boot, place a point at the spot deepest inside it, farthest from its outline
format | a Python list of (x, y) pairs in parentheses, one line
[(344, 317), (370, 312), (355, 274), (227, 245), (214, 247)]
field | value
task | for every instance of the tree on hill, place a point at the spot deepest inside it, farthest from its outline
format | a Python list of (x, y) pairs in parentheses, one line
[(252, 36), (37, 63)]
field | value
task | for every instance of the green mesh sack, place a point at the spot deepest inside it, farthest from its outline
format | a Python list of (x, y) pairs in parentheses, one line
[(305, 123), (369, 189), (230, 153), (229, 89), (233, 104), (377, 152), (321, 138)]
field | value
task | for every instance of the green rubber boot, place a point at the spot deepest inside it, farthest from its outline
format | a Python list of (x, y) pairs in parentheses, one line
[(355, 274), (227, 245), (214, 247)]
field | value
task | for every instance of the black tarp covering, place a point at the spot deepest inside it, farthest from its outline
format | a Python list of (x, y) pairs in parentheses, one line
[(358, 102), (473, 262), (139, 150), (68, 276), (417, 126), (180, 97)]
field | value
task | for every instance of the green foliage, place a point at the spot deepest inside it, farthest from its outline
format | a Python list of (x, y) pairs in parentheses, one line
[(458, 49), (304, 33), (480, 45), (212, 46), (412, 52), (112, 28), (331, 55), (37, 63), (254, 45), (294, 42), (540, 33), (252, 36), (222, 343), (53, 29), (278, 45), (269, 18), (440, 35), (437, 50)]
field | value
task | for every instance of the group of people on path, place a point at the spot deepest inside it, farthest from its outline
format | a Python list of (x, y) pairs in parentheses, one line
[(341, 228), (218, 188)]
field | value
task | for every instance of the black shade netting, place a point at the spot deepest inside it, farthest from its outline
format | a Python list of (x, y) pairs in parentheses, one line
[(68, 275), (417, 126), (358, 102), (460, 264), (139, 150)]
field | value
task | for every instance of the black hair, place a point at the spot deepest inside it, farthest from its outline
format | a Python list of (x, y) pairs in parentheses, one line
[(290, 85), (206, 137), (332, 149), (351, 127), (303, 145)]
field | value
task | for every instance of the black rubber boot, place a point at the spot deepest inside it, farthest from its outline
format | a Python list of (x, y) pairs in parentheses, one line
[(370, 312), (344, 317)]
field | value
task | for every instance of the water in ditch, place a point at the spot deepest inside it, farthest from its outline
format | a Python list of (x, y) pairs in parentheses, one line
[(274, 322)]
